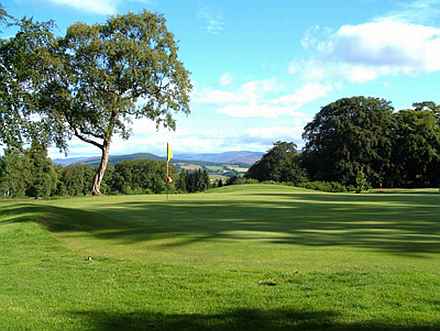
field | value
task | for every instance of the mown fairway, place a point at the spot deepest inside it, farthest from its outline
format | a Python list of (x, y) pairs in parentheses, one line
[(239, 258)]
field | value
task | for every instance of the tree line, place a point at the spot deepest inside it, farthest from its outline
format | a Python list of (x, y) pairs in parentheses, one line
[(361, 142), (31, 173)]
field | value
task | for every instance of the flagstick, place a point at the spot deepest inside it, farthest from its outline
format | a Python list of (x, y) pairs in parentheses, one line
[(167, 179), (169, 157)]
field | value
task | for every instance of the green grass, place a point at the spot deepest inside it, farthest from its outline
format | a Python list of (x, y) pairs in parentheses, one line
[(252, 257)]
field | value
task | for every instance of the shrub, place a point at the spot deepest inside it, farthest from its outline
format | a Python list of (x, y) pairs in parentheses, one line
[(324, 186), (140, 176), (361, 182), (193, 181), (241, 181), (75, 180)]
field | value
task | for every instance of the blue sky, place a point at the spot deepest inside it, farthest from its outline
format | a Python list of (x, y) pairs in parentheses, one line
[(260, 71)]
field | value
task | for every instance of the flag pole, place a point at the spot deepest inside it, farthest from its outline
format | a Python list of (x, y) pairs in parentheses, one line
[(168, 185), (168, 179)]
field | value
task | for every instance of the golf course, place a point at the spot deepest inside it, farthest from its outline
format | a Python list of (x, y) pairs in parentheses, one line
[(242, 257)]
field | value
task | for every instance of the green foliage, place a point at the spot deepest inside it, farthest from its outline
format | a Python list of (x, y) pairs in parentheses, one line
[(43, 176), (29, 173), (416, 148), (16, 173), (140, 176), (361, 183), (27, 68), (193, 181), (324, 186), (279, 164), (429, 106), (361, 141), (75, 180), (237, 180), (348, 135)]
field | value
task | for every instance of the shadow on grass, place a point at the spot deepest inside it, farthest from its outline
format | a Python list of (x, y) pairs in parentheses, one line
[(398, 224), (241, 319)]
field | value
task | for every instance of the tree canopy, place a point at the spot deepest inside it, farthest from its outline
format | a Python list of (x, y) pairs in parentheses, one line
[(280, 163), (416, 148), (27, 69), (348, 136)]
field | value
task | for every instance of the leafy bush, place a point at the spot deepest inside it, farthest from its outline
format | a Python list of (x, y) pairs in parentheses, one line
[(324, 186), (27, 173), (241, 180), (361, 182), (275, 182), (193, 181), (140, 176), (75, 180)]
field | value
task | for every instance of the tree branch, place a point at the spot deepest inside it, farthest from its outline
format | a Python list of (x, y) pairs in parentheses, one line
[(87, 140), (97, 136)]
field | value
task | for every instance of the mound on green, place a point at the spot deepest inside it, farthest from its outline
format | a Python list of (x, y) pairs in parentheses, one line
[(251, 257)]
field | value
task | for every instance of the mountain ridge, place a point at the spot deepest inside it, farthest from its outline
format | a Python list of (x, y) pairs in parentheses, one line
[(231, 157)]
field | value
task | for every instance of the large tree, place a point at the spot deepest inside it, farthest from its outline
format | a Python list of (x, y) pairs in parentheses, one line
[(416, 148), (113, 73), (280, 163), (347, 137)]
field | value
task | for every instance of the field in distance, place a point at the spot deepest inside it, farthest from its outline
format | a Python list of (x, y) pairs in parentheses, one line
[(251, 257)]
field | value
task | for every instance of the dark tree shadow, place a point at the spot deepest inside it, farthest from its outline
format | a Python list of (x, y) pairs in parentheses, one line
[(241, 319), (401, 224)]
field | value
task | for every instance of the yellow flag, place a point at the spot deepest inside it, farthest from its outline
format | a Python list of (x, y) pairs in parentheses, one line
[(169, 152)]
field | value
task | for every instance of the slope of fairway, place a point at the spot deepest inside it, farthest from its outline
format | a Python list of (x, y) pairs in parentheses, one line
[(249, 257)]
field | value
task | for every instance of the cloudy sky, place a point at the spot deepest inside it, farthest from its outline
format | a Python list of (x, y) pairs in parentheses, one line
[(260, 71)]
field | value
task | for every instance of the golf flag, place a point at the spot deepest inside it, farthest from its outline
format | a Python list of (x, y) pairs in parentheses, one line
[(169, 152), (168, 178)]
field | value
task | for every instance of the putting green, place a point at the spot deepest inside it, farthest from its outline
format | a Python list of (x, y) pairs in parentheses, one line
[(242, 257)]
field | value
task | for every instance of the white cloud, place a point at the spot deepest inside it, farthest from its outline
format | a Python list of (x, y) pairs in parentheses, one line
[(105, 7), (395, 44), (248, 92), (261, 99), (225, 79), (308, 93), (101, 7), (213, 20), (254, 110), (217, 97)]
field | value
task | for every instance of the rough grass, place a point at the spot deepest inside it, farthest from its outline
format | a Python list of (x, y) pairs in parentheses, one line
[(252, 257)]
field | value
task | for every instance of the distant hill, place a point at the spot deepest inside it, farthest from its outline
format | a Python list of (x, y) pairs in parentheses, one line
[(239, 157), (94, 160), (244, 158)]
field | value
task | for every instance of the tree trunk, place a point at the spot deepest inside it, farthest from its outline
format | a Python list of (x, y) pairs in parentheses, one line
[(97, 180)]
